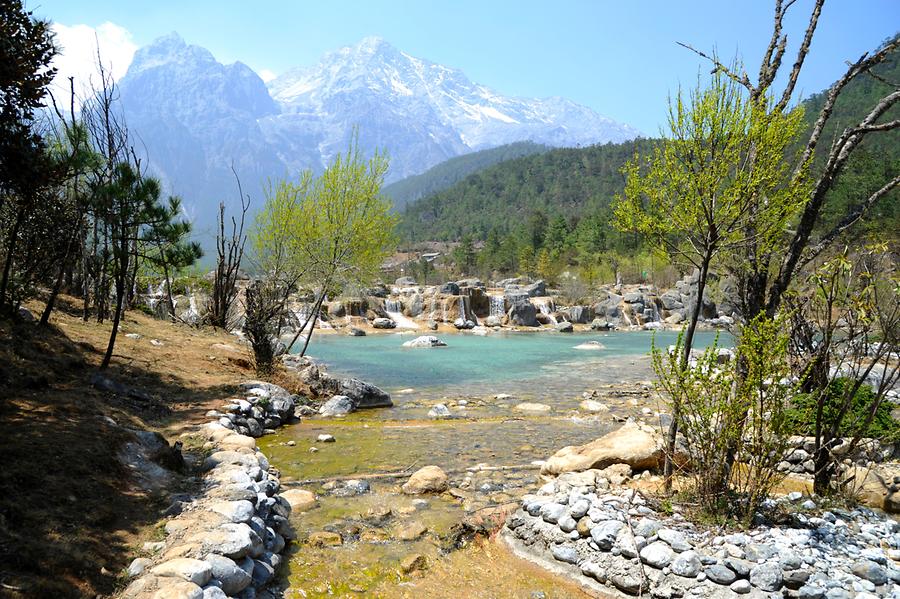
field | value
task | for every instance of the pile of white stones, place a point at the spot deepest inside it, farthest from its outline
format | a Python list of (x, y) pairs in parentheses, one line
[(615, 539), (263, 408), (229, 540), (799, 456)]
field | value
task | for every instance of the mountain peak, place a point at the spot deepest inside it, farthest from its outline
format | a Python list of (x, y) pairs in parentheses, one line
[(166, 49), (372, 44)]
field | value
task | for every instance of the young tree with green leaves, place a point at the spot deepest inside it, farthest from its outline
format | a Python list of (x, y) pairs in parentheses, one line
[(332, 231), (693, 196), (845, 338)]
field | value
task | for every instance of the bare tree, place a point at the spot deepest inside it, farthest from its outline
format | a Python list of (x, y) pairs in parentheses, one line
[(230, 253), (764, 275)]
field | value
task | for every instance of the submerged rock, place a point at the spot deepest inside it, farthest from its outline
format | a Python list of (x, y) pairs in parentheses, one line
[(439, 411), (590, 405), (537, 408), (590, 345), (425, 341)]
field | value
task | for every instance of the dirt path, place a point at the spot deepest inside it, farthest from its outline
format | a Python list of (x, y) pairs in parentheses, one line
[(69, 518)]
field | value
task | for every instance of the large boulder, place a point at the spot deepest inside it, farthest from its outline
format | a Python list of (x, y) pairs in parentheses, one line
[(383, 323), (637, 445), (356, 306), (413, 306), (338, 405), (479, 301), (456, 307), (364, 395), (405, 282), (471, 283), (449, 288), (523, 314), (536, 289), (300, 500), (336, 309), (379, 290), (581, 314), (671, 300), (430, 479)]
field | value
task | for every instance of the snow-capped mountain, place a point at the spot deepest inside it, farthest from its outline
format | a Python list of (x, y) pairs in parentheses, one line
[(423, 112), (197, 117)]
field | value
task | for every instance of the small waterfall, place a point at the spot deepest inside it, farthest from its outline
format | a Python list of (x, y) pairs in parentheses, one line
[(193, 313), (545, 310), (462, 308), (394, 309), (498, 303)]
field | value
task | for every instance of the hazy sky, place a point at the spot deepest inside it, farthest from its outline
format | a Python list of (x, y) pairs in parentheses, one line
[(619, 58)]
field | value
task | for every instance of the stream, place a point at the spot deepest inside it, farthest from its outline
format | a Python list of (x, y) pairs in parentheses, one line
[(489, 448)]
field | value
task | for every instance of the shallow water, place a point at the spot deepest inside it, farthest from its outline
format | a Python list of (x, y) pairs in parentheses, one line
[(517, 363), (489, 449)]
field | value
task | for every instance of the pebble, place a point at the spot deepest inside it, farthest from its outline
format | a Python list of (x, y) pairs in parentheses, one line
[(657, 554), (687, 564), (741, 587), (720, 574), (325, 438)]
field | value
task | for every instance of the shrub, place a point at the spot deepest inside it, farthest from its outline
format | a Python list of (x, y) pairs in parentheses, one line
[(802, 414), (726, 418)]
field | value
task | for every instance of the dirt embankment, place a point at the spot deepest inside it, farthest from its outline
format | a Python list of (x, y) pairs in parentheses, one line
[(71, 517)]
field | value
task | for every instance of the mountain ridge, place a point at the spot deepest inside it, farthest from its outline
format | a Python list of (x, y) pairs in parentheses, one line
[(196, 116)]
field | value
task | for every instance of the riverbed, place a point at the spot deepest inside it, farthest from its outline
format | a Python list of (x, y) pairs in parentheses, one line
[(490, 447)]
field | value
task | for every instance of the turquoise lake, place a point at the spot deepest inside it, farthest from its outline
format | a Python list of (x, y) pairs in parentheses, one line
[(518, 363)]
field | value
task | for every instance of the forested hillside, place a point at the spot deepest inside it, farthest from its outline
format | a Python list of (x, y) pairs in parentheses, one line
[(449, 172), (572, 182)]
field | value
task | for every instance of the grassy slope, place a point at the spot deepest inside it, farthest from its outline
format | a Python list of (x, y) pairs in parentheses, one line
[(70, 520)]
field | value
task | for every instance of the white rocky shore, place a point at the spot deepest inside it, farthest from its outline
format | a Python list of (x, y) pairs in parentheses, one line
[(229, 539), (614, 542)]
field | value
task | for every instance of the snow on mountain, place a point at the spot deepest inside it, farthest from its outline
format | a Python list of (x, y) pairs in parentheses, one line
[(373, 81)]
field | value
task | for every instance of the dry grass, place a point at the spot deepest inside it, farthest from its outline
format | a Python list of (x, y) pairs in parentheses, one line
[(69, 518)]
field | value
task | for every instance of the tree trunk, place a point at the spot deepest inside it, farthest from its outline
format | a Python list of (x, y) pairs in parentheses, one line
[(315, 311), (120, 297), (51, 301), (668, 466), (312, 326), (169, 301), (48, 309), (10, 250)]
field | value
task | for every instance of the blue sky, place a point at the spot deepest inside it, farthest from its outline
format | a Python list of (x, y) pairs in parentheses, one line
[(619, 58)]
